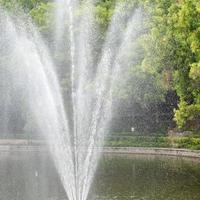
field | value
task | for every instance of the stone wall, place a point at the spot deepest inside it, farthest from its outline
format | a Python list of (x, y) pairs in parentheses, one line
[(154, 151)]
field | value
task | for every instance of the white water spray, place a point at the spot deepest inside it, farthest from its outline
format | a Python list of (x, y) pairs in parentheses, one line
[(93, 78)]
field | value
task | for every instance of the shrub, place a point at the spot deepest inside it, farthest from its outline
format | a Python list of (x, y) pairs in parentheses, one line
[(187, 113)]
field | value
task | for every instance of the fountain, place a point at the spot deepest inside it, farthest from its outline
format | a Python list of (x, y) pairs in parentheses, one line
[(29, 74)]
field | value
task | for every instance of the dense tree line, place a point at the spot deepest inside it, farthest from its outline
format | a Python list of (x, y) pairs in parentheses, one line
[(174, 34), (164, 82)]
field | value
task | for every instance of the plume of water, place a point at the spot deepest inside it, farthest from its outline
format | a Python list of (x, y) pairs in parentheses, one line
[(93, 75), (92, 81), (31, 71)]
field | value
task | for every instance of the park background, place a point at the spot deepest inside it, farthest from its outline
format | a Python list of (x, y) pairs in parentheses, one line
[(158, 103)]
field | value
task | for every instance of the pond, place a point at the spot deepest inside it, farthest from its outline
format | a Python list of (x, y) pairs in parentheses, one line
[(32, 176)]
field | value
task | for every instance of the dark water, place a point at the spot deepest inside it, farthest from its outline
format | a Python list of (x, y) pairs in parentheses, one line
[(32, 176)]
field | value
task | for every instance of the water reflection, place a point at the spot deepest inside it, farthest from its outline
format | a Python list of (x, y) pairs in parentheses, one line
[(29, 176), (148, 178), (32, 176)]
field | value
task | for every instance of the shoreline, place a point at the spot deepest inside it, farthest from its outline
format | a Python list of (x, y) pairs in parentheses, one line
[(29, 146), (153, 151)]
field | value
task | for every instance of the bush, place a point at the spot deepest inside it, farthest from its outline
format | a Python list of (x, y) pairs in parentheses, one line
[(186, 114), (186, 142), (138, 141), (153, 141)]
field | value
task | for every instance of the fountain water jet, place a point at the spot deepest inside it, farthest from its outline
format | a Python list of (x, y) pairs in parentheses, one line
[(92, 107), (76, 150), (31, 71)]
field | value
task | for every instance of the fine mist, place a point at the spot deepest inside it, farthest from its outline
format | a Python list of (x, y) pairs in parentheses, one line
[(74, 138)]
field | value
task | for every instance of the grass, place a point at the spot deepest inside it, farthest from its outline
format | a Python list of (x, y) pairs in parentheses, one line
[(154, 141), (158, 141)]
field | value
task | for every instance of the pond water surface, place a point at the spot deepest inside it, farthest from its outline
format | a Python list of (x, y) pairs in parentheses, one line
[(32, 176)]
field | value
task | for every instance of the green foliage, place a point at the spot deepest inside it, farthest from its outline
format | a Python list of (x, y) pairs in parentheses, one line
[(167, 54), (27, 5), (155, 141), (139, 141), (104, 11), (42, 15), (142, 87), (173, 44), (185, 142), (186, 114), (195, 72)]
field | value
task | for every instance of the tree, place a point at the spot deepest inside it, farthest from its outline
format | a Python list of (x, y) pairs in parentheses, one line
[(174, 46)]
